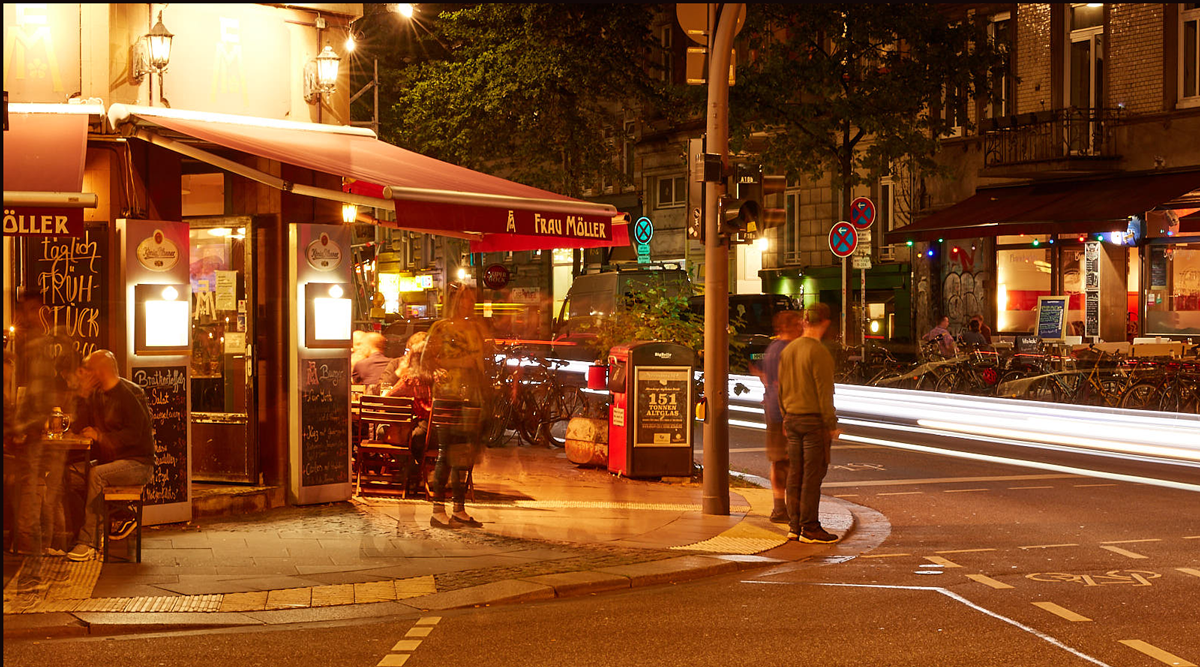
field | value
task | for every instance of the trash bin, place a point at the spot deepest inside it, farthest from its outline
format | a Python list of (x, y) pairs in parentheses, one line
[(650, 417)]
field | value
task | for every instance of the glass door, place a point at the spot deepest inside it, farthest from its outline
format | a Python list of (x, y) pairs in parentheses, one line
[(223, 389)]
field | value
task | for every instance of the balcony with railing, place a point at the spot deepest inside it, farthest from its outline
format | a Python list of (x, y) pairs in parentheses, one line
[(1051, 142)]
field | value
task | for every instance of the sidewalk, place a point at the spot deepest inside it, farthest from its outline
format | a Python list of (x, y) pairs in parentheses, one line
[(551, 530)]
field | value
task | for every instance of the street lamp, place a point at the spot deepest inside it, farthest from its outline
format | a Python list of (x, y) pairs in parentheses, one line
[(152, 53), (321, 74)]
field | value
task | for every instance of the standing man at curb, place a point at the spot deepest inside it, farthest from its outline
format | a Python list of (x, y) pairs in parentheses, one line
[(809, 422), (788, 326)]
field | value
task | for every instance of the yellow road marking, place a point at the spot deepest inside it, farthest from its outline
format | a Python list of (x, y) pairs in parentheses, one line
[(1152, 539), (941, 561), (1188, 570), (409, 645), (1157, 653), (1061, 611), (847, 495), (963, 490), (418, 632), (1081, 486), (988, 581), (393, 660), (902, 493), (883, 555), (1030, 487), (1123, 552), (428, 620), (1048, 546), (963, 551)]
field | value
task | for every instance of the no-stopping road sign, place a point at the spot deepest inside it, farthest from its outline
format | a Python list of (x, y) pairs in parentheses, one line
[(862, 212), (843, 238)]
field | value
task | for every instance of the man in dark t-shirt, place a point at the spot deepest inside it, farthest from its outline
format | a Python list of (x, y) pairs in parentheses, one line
[(112, 412), (369, 369)]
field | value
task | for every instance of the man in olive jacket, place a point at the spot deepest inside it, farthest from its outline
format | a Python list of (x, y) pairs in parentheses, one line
[(809, 422)]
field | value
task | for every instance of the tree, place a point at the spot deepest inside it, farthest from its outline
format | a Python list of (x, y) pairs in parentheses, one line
[(654, 312), (534, 92), (849, 90)]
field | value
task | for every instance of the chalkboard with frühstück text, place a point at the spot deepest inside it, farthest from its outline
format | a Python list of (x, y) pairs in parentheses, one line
[(166, 395), (71, 275), (324, 421)]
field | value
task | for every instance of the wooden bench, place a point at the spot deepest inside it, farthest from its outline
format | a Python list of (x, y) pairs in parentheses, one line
[(380, 464), (130, 497)]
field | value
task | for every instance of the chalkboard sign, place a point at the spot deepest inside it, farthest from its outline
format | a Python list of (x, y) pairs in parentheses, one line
[(71, 275), (166, 394), (1052, 315), (1158, 267), (663, 418), (1091, 318), (324, 421)]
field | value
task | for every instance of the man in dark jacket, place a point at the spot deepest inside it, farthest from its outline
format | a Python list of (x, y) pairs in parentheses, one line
[(113, 412)]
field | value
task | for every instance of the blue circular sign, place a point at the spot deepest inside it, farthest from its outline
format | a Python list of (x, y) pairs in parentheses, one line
[(643, 230)]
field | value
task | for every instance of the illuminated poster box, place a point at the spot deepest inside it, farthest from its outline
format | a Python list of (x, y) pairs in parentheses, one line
[(328, 315), (162, 319)]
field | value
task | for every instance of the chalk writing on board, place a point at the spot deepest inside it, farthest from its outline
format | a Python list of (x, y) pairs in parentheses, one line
[(69, 273), (324, 419), (166, 394)]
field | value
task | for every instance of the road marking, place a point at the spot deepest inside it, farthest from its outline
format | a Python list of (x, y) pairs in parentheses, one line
[(901, 493), (418, 632), (1084, 486), (946, 480), (428, 620), (988, 581), (393, 660), (1048, 546), (1188, 570), (1110, 578), (1015, 488), (746, 450), (1156, 653), (1061, 611), (883, 555), (1152, 539), (963, 490), (409, 645), (1191, 537), (1123, 552), (963, 551), (847, 495), (941, 561)]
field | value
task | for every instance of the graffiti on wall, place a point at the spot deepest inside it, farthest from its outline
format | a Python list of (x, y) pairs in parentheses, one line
[(966, 273)]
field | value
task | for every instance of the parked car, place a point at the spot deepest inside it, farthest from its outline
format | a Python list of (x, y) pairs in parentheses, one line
[(752, 316)]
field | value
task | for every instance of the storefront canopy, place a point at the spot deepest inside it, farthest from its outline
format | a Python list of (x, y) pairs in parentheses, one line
[(1058, 207), (44, 150), (428, 195)]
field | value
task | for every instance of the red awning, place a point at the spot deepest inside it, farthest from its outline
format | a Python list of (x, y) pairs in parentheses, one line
[(430, 195), (44, 148), (1057, 207)]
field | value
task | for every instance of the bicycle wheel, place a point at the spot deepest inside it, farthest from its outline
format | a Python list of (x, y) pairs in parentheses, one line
[(1043, 389), (527, 416), (568, 402), (1141, 396), (950, 383)]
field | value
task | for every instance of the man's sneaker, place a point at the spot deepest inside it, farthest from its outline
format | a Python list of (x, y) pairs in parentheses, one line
[(817, 535), (792, 537), (779, 516), (81, 552), (123, 530)]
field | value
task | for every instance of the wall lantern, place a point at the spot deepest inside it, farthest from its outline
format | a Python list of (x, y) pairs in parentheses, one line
[(349, 213), (162, 319), (152, 53), (321, 75), (327, 315)]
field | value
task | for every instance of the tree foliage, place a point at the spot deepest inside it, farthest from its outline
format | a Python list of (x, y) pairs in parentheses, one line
[(653, 313), (847, 89), (530, 91)]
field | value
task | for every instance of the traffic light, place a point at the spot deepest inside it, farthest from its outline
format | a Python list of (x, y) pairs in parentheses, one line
[(751, 212), (695, 202)]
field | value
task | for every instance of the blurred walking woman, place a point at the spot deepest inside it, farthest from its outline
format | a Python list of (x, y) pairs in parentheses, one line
[(455, 351)]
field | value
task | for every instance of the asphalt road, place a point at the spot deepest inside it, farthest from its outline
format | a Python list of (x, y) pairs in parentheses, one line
[(985, 564)]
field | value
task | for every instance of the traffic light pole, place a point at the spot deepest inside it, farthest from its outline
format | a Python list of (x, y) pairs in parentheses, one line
[(716, 272)]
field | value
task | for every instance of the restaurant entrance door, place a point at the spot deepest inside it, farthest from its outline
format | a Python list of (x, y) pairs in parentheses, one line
[(225, 446)]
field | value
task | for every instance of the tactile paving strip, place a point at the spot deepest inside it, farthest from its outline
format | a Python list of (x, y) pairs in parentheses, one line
[(742, 539)]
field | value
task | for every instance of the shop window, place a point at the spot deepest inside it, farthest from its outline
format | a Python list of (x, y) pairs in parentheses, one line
[(220, 325), (1189, 54), (672, 191), (1173, 290), (1023, 274)]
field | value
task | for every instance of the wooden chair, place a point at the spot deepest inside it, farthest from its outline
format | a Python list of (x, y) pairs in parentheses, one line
[(130, 497), (383, 465), (449, 415)]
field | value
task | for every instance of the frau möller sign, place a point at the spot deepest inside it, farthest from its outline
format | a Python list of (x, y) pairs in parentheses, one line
[(22, 221)]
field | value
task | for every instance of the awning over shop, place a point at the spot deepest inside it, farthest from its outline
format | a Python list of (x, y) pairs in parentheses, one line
[(44, 151), (1059, 207), (429, 195)]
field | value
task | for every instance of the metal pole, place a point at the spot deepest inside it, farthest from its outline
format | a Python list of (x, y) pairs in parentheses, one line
[(862, 306), (716, 273), (845, 300), (375, 85)]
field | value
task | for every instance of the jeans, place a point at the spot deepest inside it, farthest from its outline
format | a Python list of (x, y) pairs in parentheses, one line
[(39, 501), (121, 472), (809, 444)]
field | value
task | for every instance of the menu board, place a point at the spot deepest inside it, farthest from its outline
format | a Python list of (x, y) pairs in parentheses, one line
[(71, 274), (1091, 317), (324, 421), (166, 394), (1158, 267), (663, 415), (1052, 315)]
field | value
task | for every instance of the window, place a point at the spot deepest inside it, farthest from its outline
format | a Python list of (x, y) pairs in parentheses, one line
[(666, 59), (953, 110), (887, 203), (1173, 290), (1022, 275), (791, 227), (1085, 72), (1189, 54), (672, 191), (1000, 32), (627, 154)]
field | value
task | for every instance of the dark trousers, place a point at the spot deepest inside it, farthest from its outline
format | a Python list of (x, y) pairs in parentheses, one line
[(455, 457), (808, 445)]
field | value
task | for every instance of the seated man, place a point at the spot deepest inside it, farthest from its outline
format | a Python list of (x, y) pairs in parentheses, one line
[(114, 414), (369, 369), (945, 341)]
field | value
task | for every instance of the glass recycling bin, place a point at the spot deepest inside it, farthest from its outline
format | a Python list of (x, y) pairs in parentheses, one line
[(650, 416)]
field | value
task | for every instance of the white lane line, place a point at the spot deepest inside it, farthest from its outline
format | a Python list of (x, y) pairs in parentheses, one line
[(901, 493), (883, 555), (1157, 653), (1048, 546), (1123, 552), (847, 495), (942, 480), (1149, 539), (963, 551), (1061, 612), (964, 490), (1017, 488), (1084, 486)]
